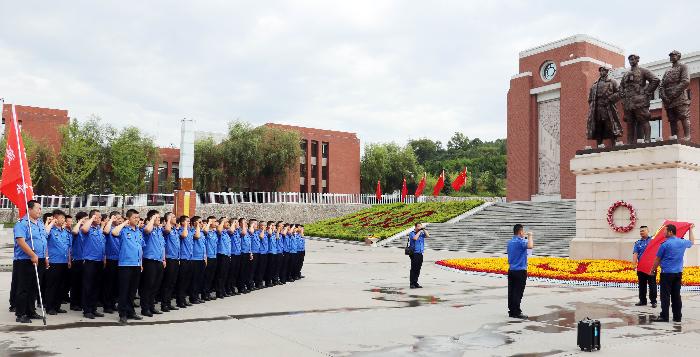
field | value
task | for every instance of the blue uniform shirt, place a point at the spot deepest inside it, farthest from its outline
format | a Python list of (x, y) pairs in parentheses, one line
[(112, 246), (224, 245), (155, 244), (186, 244), (291, 247), (255, 242), (76, 252), (246, 243), (671, 254), (211, 241), (640, 246), (419, 244), (59, 242), (130, 247), (264, 243), (172, 243), (272, 247), (302, 243), (93, 244), (282, 242), (236, 242), (38, 236), (517, 253), (199, 248)]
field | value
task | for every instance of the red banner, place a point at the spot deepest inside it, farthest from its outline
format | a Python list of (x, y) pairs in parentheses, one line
[(421, 187), (379, 191), (460, 180), (646, 261), (16, 184), (439, 184), (404, 191)]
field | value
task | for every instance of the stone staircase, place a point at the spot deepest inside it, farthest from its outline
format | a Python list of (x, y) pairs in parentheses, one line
[(487, 231)]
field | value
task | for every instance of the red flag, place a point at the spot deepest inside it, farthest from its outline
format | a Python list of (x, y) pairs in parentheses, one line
[(16, 184), (460, 180), (439, 185), (421, 186), (404, 191), (379, 191), (646, 261)]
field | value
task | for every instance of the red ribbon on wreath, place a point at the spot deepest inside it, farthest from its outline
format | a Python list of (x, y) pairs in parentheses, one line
[(633, 217)]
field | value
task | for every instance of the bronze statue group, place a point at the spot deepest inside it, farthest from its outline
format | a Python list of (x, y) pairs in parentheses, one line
[(104, 260), (636, 90)]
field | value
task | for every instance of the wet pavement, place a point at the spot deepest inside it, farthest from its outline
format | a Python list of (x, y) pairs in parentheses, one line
[(355, 302)]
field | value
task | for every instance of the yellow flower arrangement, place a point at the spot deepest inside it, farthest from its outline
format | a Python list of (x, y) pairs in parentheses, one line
[(594, 272)]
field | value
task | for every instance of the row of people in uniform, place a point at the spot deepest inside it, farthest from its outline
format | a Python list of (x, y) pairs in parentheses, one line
[(106, 260)]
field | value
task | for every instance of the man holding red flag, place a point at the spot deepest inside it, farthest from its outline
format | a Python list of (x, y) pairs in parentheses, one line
[(439, 185)]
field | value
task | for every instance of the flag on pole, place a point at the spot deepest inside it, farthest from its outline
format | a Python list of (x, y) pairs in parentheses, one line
[(379, 190), (421, 187), (460, 180), (439, 185), (404, 191), (16, 184)]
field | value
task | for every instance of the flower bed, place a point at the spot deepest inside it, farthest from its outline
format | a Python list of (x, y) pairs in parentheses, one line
[(383, 221), (587, 272)]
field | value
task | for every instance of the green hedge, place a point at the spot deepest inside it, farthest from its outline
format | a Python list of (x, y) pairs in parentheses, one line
[(383, 221)]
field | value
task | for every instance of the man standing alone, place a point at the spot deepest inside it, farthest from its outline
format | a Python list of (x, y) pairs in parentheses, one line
[(644, 279), (517, 270), (417, 242)]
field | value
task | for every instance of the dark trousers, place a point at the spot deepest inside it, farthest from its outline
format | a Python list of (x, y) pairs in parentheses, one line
[(172, 268), (253, 273), (516, 288), (13, 283), (246, 266), (234, 269), (197, 284), (261, 269), (76, 284), (644, 281), (128, 283), (271, 268), (91, 284), (53, 285), (302, 254), (209, 274), (671, 290), (148, 284), (416, 264), (222, 269), (184, 280), (284, 264), (26, 289), (110, 284)]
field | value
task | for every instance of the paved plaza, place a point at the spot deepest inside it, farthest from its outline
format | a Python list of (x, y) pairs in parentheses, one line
[(355, 301)]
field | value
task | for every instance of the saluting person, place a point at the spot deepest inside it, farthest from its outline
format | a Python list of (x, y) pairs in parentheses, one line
[(131, 246), (59, 240)]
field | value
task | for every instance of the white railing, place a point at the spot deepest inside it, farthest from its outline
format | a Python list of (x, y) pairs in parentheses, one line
[(159, 199)]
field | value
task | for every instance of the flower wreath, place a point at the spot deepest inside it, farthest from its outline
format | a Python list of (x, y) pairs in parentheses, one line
[(633, 217)]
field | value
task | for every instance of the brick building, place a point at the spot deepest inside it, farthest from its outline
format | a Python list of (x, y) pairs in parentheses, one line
[(548, 110), (41, 124)]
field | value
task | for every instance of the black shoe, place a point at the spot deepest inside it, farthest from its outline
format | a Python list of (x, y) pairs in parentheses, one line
[(123, 320), (677, 320), (195, 302), (146, 313), (97, 314), (206, 298), (76, 308), (659, 319), (418, 286), (156, 312), (520, 316), (653, 305), (188, 304), (89, 315), (52, 312), (34, 315), (61, 311), (12, 309), (108, 311), (136, 317), (23, 319), (164, 309), (173, 308), (640, 304), (413, 286)]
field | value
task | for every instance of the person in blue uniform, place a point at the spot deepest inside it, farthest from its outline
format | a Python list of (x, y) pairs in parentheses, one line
[(171, 236), (93, 240), (284, 248), (292, 249), (59, 241), (76, 286), (199, 262), (30, 253), (223, 257), (154, 262), (110, 283), (670, 258), (255, 249), (235, 263), (130, 263), (245, 281), (644, 279), (302, 250), (184, 279), (211, 242), (273, 252), (261, 234), (517, 269)]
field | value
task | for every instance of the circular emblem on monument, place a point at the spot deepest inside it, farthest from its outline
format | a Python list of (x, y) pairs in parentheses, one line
[(633, 217), (548, 70)]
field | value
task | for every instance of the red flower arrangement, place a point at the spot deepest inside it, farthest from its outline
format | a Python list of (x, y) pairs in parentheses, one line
[(633, 217)]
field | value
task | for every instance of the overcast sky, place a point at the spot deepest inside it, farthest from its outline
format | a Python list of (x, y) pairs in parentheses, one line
[(387, 70)]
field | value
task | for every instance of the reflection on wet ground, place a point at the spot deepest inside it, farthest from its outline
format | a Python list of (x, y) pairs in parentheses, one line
[(28, 351)]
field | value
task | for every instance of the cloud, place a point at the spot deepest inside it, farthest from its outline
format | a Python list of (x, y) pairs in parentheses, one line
[(388, 70)]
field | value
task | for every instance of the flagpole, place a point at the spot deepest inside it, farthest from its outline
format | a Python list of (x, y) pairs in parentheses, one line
[(29, 223)]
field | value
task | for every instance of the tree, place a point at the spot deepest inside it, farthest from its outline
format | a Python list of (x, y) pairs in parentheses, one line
[(39, 156), (208, 166), (389, 163), (280, 154), (425, 149), (131, 153), (76, 162), (241, 155)]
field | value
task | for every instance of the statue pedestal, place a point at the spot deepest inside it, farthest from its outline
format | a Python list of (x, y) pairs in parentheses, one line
[(660, 180)]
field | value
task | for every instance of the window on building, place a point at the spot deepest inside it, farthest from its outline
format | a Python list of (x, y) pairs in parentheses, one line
[(175, 175), (148, 179), (162, 176)]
